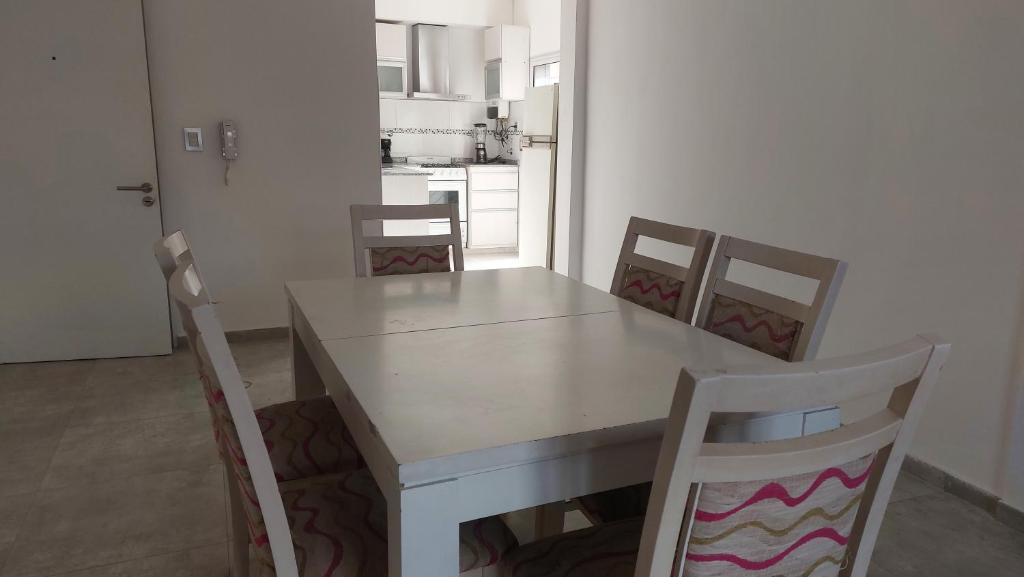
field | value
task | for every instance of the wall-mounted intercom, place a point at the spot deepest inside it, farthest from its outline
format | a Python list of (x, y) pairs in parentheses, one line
[(228, 145)]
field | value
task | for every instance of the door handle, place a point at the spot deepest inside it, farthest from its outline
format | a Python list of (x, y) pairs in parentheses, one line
[(145, 188)]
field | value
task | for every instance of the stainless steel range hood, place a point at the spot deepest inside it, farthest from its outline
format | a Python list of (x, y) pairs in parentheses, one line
[(431, 68)]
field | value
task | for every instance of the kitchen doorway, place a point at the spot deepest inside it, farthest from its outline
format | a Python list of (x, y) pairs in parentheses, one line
[(443, 75)]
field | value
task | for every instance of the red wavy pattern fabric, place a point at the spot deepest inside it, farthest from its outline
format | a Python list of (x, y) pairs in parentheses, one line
[(790, 526), (795, 526), (758, 328), (307, 438), (651, 290), (339, 529), (410, 260)]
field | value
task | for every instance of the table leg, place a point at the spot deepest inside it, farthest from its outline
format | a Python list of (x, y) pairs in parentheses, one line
[(550, 520), (423, 533), (305, 377)]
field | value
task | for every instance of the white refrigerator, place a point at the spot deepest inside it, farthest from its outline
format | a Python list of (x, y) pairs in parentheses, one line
[(538, 151)]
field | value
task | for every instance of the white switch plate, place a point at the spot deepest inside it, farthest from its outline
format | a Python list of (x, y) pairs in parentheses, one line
[(194, 139)]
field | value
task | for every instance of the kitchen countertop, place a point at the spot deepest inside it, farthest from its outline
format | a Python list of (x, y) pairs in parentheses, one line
[(402, 170)]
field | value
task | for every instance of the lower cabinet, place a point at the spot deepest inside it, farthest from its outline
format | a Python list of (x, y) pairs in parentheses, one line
[(493, 228)]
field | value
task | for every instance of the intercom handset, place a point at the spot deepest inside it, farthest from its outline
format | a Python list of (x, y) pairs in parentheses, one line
[(228, 145)]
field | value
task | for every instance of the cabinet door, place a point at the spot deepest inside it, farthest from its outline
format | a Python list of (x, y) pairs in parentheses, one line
[(492, 43), (493, 229), (391, 41), (515, 62)]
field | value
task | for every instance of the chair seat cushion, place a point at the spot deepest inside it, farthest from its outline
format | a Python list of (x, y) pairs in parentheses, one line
[(617, 504), (339, 529), (307, 438), (607, 550)]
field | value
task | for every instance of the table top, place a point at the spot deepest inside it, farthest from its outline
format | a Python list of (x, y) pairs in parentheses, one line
[(465, 399), (357, 307)]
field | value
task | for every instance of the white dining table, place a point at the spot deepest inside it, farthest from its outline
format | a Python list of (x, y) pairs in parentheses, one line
[(478, 393)]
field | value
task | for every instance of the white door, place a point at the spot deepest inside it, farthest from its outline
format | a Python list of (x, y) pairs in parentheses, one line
[(78, 279)]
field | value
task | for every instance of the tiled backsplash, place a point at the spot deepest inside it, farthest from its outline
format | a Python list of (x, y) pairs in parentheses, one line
[(437, 127)]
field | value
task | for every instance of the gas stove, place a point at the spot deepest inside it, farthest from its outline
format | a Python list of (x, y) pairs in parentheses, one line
[(440, 167)]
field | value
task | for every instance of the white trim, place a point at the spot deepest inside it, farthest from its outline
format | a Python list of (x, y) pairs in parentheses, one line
[(549, 58), (568, 247)]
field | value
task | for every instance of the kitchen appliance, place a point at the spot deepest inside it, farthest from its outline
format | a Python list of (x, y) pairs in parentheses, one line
[(480, 134), (538, 152), (431, 75), (385, 151), (446, 184)]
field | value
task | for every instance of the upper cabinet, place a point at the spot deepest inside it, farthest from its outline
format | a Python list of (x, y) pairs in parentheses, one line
[(391, 43), (507, 53), (392, 67)]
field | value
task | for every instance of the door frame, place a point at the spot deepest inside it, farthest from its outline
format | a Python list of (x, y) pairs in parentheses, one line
[(567, 241)]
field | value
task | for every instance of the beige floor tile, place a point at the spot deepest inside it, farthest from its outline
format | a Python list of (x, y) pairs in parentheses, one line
[(942, 536), (39, 391), (211, 561), (12, 514), (109, 451), (142, 391), (26, 449), (909, 486), (265, 366), (86, 526)]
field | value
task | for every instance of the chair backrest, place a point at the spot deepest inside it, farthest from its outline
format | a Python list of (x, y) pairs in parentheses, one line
[(406, 254), (235, 422), (769, 323), (663, 287), (809, 505), (170, 251)]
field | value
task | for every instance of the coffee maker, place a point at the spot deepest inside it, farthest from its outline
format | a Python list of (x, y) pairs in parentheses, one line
[(480, 134), (385, 151)]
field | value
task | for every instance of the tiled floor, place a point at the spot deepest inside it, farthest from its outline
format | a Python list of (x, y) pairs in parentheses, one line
[(107, 469)]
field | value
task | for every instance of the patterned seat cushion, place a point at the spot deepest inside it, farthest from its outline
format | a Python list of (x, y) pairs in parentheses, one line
[(307, 438), (760, 329), (410, 260), (651, 290), (796, 525), (607, 550), (617, 504), (339, 529)]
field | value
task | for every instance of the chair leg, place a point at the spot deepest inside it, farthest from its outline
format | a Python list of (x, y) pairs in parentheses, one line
[(238, 537)]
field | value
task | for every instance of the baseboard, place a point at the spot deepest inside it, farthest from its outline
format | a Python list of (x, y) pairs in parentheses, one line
[(976, 496), (244, 336)]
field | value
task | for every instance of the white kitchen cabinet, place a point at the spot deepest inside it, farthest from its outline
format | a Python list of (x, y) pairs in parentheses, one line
[(392, 67), (391, 41), (404, 189), (493, 229), (493, 206), (507, 52)]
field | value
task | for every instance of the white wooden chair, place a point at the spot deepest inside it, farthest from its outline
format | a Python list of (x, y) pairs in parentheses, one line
[(663, 287), (307, 438), (321, 526), (406, 254), (806, 506), (769, 323)]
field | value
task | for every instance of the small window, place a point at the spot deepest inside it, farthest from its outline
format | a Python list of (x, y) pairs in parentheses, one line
[(545, 74)]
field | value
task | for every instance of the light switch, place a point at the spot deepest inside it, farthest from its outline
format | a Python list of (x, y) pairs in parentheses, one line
[(194, 139)]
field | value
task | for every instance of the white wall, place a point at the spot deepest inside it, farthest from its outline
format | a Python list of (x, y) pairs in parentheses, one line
[(458, 12), (544, 17), (888, 133), (300, 83)]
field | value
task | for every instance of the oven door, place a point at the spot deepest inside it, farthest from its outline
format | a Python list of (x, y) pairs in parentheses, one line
[(448, 192)]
